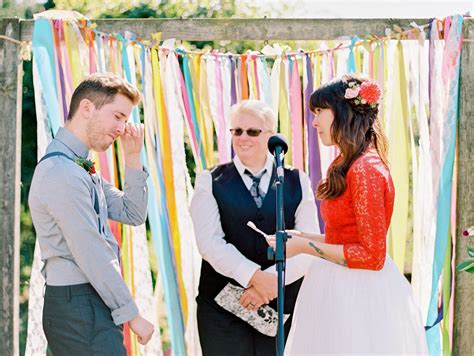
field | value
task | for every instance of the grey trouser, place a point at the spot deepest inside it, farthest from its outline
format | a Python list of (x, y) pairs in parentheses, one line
[(77, 322)]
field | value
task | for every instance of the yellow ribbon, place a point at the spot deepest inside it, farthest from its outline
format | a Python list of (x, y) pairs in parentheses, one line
[(399, 157)]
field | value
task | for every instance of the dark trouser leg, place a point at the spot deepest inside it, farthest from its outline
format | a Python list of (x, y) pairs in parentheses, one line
[(107, 337), (265, 345), (77, 322), (221, 333)]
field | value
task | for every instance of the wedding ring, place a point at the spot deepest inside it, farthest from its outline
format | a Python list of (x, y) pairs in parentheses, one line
[(251, 304)]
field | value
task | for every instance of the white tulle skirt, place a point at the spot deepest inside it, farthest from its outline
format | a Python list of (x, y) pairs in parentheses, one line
[(355, 312)]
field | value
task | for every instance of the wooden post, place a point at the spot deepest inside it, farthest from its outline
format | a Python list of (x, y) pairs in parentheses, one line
[(11, 72), (463, 343)]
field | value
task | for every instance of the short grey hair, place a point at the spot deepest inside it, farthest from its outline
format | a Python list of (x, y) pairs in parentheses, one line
[(256, 108)]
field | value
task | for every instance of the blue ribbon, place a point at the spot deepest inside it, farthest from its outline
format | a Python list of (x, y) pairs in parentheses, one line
[(444, 197), (189, 88), (351, 67), (44, 57)]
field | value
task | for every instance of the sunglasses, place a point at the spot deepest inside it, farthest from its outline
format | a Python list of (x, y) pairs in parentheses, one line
[(250, 132)]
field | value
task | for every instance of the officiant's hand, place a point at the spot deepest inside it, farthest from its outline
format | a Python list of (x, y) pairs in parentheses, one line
[(251, 300), (265, 284)]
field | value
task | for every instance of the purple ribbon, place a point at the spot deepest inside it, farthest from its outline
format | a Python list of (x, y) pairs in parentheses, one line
[(313, 144), (233, 93)]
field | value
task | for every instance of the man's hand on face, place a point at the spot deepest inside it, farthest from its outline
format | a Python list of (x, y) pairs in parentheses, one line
[(132, 144)]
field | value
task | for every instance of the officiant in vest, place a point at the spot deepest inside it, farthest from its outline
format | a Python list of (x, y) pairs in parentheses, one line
[(225, 199)]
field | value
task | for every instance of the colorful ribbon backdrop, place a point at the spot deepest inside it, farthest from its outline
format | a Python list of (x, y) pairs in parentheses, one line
[(186, 101)]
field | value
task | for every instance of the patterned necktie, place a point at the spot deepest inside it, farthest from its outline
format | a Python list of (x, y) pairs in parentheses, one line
[(257, 193)]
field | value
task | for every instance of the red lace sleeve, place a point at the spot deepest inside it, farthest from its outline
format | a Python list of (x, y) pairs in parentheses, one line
[(367, 189)]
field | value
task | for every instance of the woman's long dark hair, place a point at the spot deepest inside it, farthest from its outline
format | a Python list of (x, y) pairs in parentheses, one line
[(355, 128)]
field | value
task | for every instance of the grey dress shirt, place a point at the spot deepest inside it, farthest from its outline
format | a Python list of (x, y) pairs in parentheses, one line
[(76, 245)]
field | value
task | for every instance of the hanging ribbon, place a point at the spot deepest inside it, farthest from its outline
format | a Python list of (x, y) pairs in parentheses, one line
[(44, 54), (57, 30), (225, 79), (275, 84), (423, 220), (351, 63), (163, 216), (399, 158), (265, 81), (313, 144), (191, 117), (252, 77), (451, 77), (296, 115), (284, 108), (207, 117), (244, 86)]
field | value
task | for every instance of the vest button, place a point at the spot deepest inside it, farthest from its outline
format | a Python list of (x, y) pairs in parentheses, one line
[(260, 217)]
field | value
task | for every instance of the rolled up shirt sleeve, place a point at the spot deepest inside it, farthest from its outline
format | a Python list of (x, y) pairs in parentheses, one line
[(68, 198), (130, 205), (223, 256)]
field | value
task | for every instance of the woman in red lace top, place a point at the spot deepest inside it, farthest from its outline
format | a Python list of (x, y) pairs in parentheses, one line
[(353, 299), (359, 218)]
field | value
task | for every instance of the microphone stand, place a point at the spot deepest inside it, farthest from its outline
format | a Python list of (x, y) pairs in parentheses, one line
[(280, 254)]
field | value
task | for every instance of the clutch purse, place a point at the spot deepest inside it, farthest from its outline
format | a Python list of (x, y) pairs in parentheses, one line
[(264, 320)]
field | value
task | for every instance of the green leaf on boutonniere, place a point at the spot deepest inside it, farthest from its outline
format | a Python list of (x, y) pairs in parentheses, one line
[(87, 164)]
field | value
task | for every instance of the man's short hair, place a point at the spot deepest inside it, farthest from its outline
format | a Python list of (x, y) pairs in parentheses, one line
[(100, 89)]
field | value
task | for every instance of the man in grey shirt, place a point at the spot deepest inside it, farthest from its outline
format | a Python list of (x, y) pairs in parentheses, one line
[(86, 299)]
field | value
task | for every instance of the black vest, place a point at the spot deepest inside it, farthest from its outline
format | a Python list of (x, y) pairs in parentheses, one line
[(236, 208)]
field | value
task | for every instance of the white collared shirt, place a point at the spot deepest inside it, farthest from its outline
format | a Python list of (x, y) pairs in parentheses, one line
[(223, 256), (264, 180)]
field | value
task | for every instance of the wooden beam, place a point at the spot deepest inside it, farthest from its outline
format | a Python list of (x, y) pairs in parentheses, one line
[(11, 72), (245, 29), (464, 282)]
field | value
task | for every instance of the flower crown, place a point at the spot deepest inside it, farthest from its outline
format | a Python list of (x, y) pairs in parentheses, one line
[(365, 93)]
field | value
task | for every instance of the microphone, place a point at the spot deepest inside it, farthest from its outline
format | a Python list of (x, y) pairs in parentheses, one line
[(277, 140), (278, 146)]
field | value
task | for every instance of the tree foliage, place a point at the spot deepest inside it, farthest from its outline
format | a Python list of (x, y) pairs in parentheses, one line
[(162, 9)]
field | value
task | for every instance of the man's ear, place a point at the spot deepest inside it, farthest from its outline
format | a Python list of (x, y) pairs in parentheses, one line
[(86, 107)]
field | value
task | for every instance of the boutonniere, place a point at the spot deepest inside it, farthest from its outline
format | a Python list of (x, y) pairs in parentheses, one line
[(87, 164)]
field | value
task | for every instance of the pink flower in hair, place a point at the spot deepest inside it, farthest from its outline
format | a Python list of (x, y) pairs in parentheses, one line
[(352, 93)]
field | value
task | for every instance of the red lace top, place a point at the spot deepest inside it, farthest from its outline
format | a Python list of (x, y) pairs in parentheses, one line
[(360, 217)]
